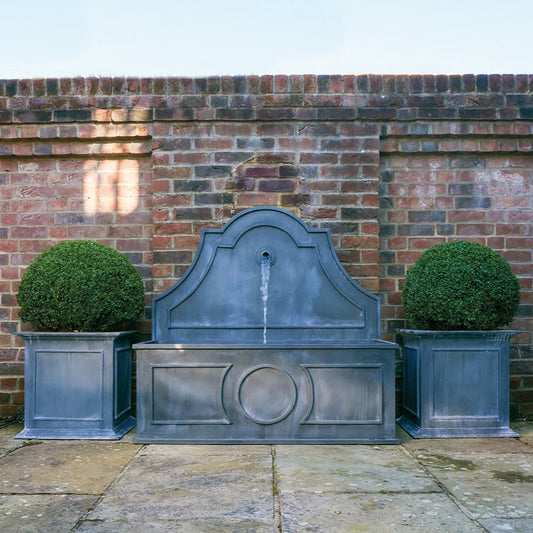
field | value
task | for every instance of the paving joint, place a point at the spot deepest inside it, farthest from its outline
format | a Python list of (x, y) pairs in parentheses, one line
[(443, 488), (113, 482), (277, 517)]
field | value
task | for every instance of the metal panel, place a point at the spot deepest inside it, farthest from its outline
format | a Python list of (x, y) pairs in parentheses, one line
[(411, 376), (63, 390), (122, 377), (457, 373), (346, 394), (266, 393), (310, 295), (188, 394)]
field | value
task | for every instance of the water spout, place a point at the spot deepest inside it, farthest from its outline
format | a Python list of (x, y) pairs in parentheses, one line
[(265, 277)]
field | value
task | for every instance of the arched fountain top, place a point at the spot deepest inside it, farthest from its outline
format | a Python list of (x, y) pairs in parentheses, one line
[(311, 298)]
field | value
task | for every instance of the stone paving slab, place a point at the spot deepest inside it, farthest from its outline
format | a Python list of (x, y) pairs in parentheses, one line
[(523, 428), (423, 485), (175, 526), (74, 467), (8, 442), (469, 446), (42, 513), (491, 478), (487, 484), (520, 525), (337, 512), (350, 469), (187, 483)]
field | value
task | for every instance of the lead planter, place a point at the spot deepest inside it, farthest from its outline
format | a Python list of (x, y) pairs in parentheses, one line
[(456, 383), (77, 385)]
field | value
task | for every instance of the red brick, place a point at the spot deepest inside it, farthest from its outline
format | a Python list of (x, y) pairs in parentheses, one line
[(58, 233), (319, 212), (315, 158), (360, 242), (310, 83), (9, 384), (423, 244), (396, 243), (261, 171), (370, 200), (190, 158), (370, 228), (466, 216), (323, 186), (297, 143), (256, 199), (475, 229), (409, 258), (513, 229)]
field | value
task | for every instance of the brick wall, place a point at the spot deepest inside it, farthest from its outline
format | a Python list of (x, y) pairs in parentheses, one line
[(390, 164)]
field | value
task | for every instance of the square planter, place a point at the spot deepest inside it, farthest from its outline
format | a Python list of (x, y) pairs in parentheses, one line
[(456, 383), (77, 385)]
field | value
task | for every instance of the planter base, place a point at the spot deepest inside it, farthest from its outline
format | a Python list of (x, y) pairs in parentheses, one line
[(418, 432)]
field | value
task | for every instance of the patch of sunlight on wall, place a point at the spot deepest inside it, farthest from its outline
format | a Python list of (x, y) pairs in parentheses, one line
[(111, 186)]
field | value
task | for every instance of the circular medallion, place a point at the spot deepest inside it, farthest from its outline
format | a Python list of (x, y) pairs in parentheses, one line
[(267, 394)]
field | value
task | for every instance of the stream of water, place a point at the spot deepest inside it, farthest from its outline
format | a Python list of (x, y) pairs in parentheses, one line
[(265, 277)]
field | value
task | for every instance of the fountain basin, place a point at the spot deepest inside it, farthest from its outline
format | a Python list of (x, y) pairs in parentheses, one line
[(266, 339), (273, 393)]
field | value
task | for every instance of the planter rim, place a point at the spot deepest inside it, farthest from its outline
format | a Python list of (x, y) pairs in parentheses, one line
[(87, 334), (439, 334)]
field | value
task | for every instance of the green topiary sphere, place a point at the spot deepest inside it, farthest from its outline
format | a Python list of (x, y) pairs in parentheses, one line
[(81, 286), (460, 286)]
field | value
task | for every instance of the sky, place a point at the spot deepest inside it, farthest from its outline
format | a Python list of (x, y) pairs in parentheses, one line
[(139, 38)]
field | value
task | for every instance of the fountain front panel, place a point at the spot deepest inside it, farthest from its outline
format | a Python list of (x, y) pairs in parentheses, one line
[(265, 339)]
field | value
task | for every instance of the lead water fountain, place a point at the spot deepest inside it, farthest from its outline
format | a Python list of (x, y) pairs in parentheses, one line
[(266, 339)]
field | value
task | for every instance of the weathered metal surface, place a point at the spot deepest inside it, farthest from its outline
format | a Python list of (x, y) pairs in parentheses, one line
[(310, 295), (456, 383), (77, 385), (266, 393), (246, 356)]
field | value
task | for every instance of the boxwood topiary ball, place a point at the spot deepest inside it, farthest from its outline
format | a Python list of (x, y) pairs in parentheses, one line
[(460, 286), (81, 286)]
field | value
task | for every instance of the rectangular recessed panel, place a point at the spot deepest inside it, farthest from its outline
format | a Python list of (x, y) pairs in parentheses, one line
[(411, 370), (68, 385), (464, 383), (123, 382), (188, 394), (346, 394)]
